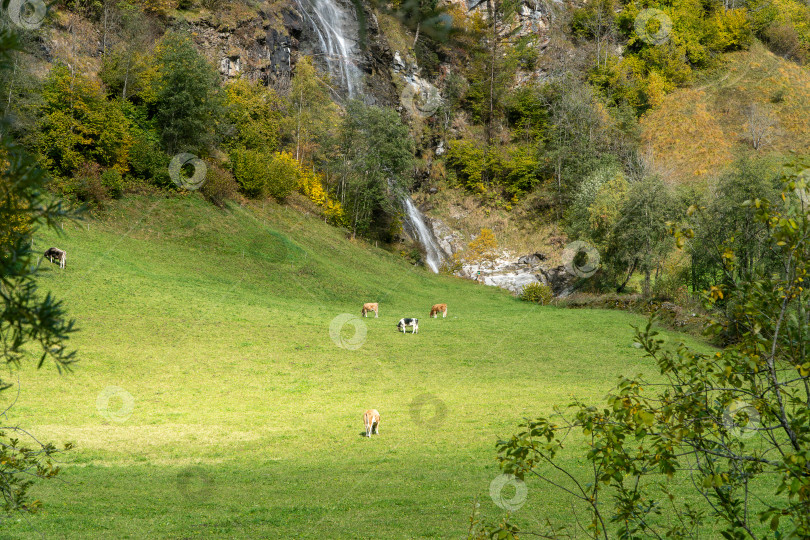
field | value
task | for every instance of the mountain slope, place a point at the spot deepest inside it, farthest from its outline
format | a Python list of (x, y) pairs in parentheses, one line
[(697, 130)]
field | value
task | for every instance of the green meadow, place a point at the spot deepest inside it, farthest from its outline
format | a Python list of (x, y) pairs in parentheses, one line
[(218, 393)]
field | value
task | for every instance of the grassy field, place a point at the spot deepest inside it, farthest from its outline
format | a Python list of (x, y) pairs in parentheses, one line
[(213, 400)]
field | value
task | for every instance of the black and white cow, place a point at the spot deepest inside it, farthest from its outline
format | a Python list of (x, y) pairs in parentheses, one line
[(404, 323), (57, 256)]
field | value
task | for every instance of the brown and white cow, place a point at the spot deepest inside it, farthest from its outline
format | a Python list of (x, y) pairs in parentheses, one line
[(57, 256), (371, 419), (369, 307), (438, 308)]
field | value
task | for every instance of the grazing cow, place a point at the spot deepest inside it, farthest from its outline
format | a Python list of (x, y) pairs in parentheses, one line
[(438, 308), (369, 307), (57, 256), (404, 323), (371, 419)]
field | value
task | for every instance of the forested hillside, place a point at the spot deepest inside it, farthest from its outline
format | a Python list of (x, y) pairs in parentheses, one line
[(545, 122)]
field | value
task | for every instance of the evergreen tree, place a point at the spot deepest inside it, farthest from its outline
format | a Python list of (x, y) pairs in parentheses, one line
[(187, 105)]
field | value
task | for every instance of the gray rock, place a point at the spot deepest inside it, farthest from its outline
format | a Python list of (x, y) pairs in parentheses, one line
[(449, 241), (561, 282), (399, 65), (532, 259)]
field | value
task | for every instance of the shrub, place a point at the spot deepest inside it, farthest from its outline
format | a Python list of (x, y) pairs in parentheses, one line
[(452, 265), (282, 175), (219, 187), (309, 185), (77, 125), (537, 293), (87, 186), (483, 248), (783, 40), (730, 30), (249, 167), (113, 183), (262, 175), (148, 162)]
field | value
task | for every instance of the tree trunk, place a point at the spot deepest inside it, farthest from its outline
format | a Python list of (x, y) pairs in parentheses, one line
[(647, 281), (630, 273)]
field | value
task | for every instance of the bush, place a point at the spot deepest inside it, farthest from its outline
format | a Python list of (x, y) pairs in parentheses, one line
[(261, 175), (148, 162), (219, 187), (77, 125), (187, 101), (730, 30), (282, 175), (452, 265), (113, 183), (250, 170), (783, 40), (537, 293), (86, 186)]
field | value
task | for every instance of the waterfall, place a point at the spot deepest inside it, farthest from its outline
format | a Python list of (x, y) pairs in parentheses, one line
[(337, 32), (433, 255), (332, 24)]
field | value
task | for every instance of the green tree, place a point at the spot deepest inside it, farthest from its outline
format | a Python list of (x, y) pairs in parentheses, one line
[(579, 138), (77, 124), (493, 66), (729, 241), (128, 69), (425, 16), (252, 115), (730, 429), (29, 322), (597, 205), (187, 105), (375, 166), (311, 115), (20, 91), (639, 241)]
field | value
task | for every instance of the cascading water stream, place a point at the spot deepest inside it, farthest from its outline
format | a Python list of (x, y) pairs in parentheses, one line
[(334, 27), (330, 21), (433, 255)]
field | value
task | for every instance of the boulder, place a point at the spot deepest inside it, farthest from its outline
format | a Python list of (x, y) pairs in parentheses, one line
[(532, 259), (561, 282)]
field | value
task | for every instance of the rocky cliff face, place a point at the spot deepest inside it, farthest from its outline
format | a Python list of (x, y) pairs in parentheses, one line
[(265, 45), (508, 270)]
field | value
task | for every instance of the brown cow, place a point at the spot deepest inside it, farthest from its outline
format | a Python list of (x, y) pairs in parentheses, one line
[(371, 307), (371, 419), (438, 308), (57, 256)]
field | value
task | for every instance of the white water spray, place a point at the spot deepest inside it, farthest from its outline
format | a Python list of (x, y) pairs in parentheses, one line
[(433, 255), (331, 22)]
